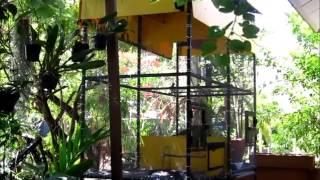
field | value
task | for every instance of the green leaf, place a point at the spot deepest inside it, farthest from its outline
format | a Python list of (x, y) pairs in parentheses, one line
[(81, 55), (62, 155), (34, 34), (236, 45), (242, 8), (87, 65), (77, 170), (245, 23), (45, 11), (222, 60), (2, 50), (227, 6), (250, 31), (215, 32), (89, 140), (249, 17), (247, 46), (52, 35), (181, 2), (216, 3), (208, 47)]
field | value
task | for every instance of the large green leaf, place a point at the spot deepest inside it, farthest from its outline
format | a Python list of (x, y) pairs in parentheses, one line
[(249, 17), (45, 11), (223, 60), (87, 65), (89, 140), (215, 32), (227, 6), (247, 46), (77, 170), (52, 35), (250, 31), (181, 2), (81, 55), (208, 47), (236, 46)]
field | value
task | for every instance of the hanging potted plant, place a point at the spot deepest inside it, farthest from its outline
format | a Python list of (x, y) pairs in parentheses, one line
[(105, 27), (53, 64), (100, 41), (77, 48), (9, 96), (33, 49)]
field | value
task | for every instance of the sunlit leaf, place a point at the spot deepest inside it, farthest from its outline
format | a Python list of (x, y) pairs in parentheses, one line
[(215, 32), (45, 11), (77, 170), (247, 46)]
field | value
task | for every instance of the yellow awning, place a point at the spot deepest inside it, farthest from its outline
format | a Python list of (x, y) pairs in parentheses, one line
[(162, 24)]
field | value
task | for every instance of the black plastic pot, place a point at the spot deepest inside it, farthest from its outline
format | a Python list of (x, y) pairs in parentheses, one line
[(49, 80), (78, 47), (180, 8), (33, 52), (9, 97), (100, 41)]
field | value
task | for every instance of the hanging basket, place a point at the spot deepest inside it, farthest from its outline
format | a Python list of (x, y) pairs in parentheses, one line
[(9, 97), (77, 48), (100, 41), (49, 80), (33, 52)]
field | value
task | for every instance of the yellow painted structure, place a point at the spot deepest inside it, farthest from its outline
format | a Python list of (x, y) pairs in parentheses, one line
[(162, 24), (169, 152)]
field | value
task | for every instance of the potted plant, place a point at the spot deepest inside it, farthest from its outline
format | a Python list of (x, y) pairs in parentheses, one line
[(9, 96), (53, 64), (105, 27), (33, 49), (77, 48), (100, 41)]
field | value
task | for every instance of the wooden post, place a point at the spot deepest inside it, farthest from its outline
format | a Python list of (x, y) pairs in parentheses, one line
[(114, 99)]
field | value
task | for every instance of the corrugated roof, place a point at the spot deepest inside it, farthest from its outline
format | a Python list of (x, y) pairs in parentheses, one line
[(309, 10)]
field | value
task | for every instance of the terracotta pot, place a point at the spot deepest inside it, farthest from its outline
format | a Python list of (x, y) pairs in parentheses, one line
[(285, 166), (100, 41), (9, 97), (285, 161), (33, 52), (77, 48)]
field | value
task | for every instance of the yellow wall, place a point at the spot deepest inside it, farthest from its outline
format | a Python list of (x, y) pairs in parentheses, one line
[(94, 9), (155, 151)]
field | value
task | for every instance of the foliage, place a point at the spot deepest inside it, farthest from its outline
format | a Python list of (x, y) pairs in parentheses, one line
[(299, 130), (236, 43), (72, 147)]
